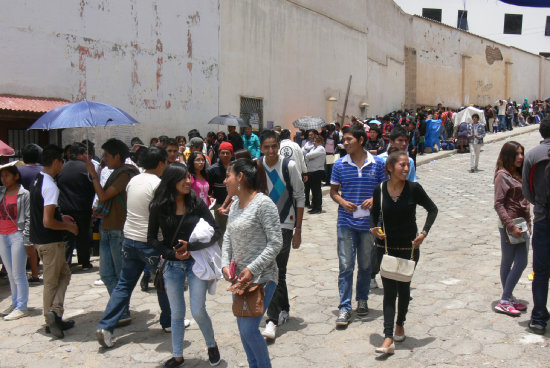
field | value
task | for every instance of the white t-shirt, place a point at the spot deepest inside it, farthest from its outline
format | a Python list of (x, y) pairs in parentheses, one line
[(50, 191), (140, 191)]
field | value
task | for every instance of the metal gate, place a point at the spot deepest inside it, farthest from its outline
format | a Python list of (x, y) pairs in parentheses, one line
[(252, 112), (19, 138)]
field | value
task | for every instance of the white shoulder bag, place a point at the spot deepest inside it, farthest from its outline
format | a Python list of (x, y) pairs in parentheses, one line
[(395, 268)]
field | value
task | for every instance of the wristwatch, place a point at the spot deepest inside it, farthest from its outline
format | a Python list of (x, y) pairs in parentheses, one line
[(424, 232)]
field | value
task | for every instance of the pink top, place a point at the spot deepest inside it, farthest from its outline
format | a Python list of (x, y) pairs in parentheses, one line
[(8, 215), (201, 187)]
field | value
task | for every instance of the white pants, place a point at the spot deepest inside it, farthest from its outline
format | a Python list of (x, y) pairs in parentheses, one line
[(475, 149)]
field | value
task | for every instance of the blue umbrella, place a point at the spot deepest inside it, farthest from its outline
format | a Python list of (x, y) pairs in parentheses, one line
[(374, 121), (83, 114), (531, 3)]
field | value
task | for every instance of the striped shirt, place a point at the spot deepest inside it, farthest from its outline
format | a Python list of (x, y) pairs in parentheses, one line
[(357, 185)]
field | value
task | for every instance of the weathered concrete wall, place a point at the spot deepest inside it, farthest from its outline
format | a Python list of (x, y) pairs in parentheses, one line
[(156, 60), (457, 68), (293, 55), (386, 56)]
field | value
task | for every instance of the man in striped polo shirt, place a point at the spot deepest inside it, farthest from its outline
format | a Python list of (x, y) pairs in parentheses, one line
[(353, 180)]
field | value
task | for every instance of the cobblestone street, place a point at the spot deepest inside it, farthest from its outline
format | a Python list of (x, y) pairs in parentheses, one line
[(451, 322)]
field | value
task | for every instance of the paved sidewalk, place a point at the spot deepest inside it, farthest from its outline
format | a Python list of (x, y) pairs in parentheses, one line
[(450, 323)]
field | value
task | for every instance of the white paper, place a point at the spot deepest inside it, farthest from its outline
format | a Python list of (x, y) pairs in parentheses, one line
[(361, 213)]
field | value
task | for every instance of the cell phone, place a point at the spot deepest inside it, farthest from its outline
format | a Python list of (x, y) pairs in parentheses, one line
[(232, 267)]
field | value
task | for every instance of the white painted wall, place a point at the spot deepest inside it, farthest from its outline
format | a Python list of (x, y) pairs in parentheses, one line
[(486, 18), (293, 55), (156, 60)]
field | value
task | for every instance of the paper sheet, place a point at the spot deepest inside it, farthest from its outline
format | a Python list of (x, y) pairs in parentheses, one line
[(361, 213)]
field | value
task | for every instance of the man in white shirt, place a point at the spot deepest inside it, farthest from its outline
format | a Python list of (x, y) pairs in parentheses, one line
[(286, 189), (293, 151), (135, 251)]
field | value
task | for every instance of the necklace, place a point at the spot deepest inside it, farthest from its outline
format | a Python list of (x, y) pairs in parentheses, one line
[(395, 198)]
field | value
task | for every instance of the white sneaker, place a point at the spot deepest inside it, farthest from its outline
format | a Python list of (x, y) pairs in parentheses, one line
[(105, 338), (16, 314), (186, 323), (7, 311), (270, 330), (283, 317), (98, 283)]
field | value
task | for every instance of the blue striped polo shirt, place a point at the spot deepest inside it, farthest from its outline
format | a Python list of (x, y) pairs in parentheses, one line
[(356, 185)]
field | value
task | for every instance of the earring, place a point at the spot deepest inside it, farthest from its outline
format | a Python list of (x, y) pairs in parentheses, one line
[(239, 187)]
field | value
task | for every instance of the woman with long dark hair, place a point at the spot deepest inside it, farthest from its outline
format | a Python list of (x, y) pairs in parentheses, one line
[(14, 230), (176, 210), (394, 205), (510, 204), (199, 179), (251, 242)]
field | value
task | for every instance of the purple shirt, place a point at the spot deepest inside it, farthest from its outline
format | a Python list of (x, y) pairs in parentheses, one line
[(28, 172)]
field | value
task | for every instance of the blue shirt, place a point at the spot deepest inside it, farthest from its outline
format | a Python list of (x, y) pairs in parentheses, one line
[(412, 170), (357, 185)]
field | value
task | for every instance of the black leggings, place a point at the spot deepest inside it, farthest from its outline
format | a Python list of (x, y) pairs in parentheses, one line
[(394, 289)]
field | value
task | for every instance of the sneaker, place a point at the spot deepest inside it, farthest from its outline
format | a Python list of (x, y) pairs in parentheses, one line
[(537, 327), (7, 311), (214, 356), (35, 280), (65, 325), (373, 284), (87, 266), (269, 331), (507, 308), (144, 283), (98, 283), (283, 317), (55, 324), (362, 308), (105, 338), (16, 314), (124, 321), (167, 329), (519, 306), (172, 362), (186, 323), (344, 316)]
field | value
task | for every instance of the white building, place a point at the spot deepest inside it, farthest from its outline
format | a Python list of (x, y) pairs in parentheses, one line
[(523, 27)]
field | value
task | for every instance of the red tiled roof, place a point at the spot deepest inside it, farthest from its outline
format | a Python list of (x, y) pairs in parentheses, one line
[(32, 104)]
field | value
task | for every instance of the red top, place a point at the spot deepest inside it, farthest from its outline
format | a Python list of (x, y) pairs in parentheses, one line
[(8, 215)]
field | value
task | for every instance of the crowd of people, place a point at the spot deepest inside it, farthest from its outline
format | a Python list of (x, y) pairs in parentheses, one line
[(189, 211)]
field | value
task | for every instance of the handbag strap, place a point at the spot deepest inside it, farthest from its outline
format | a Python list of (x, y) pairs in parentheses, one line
[(383, 227), (161, 268)]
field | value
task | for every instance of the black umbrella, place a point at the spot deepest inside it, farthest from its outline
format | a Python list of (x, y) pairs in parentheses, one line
[(230, 120)]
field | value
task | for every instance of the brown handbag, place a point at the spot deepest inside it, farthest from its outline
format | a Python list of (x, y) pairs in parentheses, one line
[(249, 299)]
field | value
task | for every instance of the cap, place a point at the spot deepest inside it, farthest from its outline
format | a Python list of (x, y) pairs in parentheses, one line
[(195, 142), (226, 146)]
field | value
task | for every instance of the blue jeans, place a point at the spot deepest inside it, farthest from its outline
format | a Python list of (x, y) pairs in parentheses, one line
[(541, 267), (14, 258), (110, 257), (501, 123), (512, 264), (135, 256), (253, 342), (352, 243), (175, 273)]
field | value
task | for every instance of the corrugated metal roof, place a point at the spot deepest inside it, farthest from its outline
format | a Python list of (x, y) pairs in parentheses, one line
[(31, 104)]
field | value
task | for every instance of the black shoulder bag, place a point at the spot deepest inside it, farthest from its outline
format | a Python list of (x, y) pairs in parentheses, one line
[(159, 276)]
